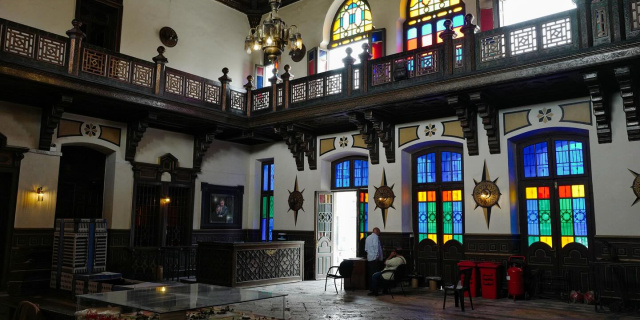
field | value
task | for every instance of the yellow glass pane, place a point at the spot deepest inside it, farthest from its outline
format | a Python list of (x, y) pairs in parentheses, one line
[(532, 193), (426, 18), (412, 22), (567, 240), (454, 2), (357, 38), (413, 3), (547, 240), (346, 41), (348, 3), (457, 195), (368, 27), (367, 15), (336, 25), (422, 196), (577, 191), (442, 14), (334, 45), (446, 238), (336, 36), (366, 198), (458, 9), (433, 237)]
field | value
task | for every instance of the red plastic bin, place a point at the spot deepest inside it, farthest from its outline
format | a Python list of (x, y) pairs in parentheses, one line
[(490, 279), (473, 284)]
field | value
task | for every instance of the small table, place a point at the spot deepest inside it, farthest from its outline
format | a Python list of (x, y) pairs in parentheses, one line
[(358, 276)]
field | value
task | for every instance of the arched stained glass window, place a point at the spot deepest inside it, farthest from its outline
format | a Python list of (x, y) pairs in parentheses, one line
[(351, 23), (555, 183), (425, 21)]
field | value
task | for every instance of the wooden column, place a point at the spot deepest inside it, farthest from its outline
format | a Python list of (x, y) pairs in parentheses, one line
[(249, 87), (469, 46), (274, 89), (584, 23), (348, 64), (160, 61), (224, 82), (286, 77), (449, 53), (75, 46), (365, 56)]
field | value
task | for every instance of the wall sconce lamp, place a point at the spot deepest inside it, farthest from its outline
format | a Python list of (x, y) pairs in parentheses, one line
[(40, 194), (166, 200)]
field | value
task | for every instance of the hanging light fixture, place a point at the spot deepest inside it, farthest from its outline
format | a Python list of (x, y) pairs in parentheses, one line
[(273, 35)]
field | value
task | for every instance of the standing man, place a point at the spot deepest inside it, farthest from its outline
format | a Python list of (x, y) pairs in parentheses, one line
[(373, 247)]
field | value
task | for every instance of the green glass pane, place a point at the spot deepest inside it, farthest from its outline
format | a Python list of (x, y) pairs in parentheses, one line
[(447, 224), (421, 237), (582, 240), (264, 207), (271, 207), (545, 217), (447, 207), (458, 237), (431, 207), (566, 217), (533, 240)]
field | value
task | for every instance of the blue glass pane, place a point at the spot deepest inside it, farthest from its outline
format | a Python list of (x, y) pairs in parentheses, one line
[(456, 166), (457, 217), (273, 167), (422, 169), (342, 175), (440, 25), (569, 158), (271, 229), (536, 160), (376, 36), (446, 167), (422, 217), (265, 177), (352, 18), (410, 64), (458, 20), (427, 29), (431, 167), (532, 217), (360, 172), (579, 217), (412, 33), (264, 229)]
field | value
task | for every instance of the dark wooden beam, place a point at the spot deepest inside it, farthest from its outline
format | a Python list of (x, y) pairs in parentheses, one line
[(629, 92), (385, 131), (466, 113), (368, 135), (51, 115), (135, 132), (202, 142), (489, 114), (300, 142), (601, 107)]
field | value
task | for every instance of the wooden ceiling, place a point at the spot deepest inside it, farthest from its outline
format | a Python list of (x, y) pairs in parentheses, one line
[(250, 7)]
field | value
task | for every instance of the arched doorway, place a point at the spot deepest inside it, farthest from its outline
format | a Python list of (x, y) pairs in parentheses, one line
[(80, 183)]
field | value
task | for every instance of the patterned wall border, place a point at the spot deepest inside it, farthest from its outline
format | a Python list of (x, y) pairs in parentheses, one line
[(515, 115), (111, 134), (408, 135), (69, 128), (327, 145), (358, 142), (450, 131), (579, 110)]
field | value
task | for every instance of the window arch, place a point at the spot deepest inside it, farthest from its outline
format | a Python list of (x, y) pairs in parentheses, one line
[(425, 21), (438, 190), (555, 178), (350, 173), (351, 23)]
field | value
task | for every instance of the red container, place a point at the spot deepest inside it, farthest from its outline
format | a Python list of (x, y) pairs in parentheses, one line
[(473, 284), (489, 279), (515, 276)]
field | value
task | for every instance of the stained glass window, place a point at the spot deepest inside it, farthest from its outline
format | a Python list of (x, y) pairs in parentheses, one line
[(350, 173), (438, 195), (363, 214), (266, 208), (351, 23), (426, 21), (556, 215)]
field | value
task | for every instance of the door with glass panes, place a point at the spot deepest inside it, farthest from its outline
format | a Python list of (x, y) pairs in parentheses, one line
[(438, 210)]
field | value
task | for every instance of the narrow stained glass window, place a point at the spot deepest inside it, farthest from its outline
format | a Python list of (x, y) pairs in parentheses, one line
[(363, 214), (539, 215), (427, 216), (266, 207), (573, 214), (342, 175), (421, 17), (536, 160), (452, 215)]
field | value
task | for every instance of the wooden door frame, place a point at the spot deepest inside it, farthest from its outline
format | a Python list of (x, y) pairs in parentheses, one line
[(315, 231)]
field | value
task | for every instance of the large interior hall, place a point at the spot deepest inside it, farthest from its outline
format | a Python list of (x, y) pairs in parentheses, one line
[(314, 159)]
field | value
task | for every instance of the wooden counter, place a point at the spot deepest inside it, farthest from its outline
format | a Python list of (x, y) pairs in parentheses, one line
[(241, 264)]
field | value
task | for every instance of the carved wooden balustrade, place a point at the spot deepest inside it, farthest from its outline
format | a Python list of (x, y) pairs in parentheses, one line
[(560, 35)]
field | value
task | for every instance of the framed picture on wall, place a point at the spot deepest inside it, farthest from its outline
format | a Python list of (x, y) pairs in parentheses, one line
[(221, 207)]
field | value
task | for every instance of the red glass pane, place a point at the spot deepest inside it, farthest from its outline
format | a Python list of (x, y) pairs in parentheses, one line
[(446, 195), (564, 191), (412, 44), (543, 193), (376, 50), (431, 196)]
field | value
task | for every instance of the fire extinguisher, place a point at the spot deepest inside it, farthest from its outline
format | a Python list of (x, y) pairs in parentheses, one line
[(515, 276)]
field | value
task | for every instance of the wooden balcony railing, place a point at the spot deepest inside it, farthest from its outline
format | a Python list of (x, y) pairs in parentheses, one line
[(555, 36)]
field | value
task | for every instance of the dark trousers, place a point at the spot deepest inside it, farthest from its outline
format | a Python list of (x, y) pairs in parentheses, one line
[(372, 267)]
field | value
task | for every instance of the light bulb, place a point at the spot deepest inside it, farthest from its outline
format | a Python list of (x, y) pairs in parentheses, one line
[(256, 46), (269, 40), (248, 50)]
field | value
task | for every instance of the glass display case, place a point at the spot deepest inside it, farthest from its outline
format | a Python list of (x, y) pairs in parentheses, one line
[(188, 301)]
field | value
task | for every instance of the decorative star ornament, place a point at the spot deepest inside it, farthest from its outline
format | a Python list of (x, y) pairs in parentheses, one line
[(636, 186), (383, 198), (486, 194), (295, 201)]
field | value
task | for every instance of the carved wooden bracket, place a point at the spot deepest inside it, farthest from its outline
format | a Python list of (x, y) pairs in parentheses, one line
[(466, 113), (489, 114), (601, 108), (135, 132), (50, 119), (202, 142), (385, 131), (300, 143), (628, 91), (368, 135)]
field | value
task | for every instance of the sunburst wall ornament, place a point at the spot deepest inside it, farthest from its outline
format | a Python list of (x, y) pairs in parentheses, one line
[(296, 200), (636, 186), (486, 194), (384, 197)]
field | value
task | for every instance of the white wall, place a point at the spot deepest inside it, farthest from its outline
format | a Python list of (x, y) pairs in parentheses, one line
[(42, 172), (155, 142), (20, 124)]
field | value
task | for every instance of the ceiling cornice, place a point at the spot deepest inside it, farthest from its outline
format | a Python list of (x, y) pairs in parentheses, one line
[(253, 7)]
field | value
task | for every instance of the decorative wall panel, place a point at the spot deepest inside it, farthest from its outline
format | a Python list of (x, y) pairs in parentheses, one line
[(493, 48), (69, 128), (194, 89), (174, 84), (523, 41), (381, 73), (261, 101), (212, 94), (316, 88), (407, 134), (327, 145), (237, 100), (142, 75), (577, 113), (119, 69), (299, 92), (94, 62), (334, 84), (110, 134), (358, 142), (19, 42), (452, 129), (516, 120), (556, 33)]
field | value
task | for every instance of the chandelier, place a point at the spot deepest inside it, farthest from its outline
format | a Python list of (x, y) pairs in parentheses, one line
[(272, 35)]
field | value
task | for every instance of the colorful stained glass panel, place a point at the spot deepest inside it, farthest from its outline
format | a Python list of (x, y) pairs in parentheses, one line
[(539, 215), (573, 214), (426, 167), (353, 18), (342, 175), (569, 158), (361, 173), (451, 166), (536, 160)]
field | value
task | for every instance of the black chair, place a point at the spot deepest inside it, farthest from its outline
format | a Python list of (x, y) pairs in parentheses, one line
[(398, 276), (459, 289), (343, 271)]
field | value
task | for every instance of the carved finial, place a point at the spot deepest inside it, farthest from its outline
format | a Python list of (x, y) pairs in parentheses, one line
[(76, 23), (75, 32), (365, 47), (287, 67), (468, 19), (448, 33), (349, 51), (447, 24), (287, 76), (349, 60), (224, 77), (365, 55), (160, 58), (249, 84)]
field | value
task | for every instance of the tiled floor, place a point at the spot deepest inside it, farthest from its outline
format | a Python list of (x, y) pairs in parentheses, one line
[(308, 300)]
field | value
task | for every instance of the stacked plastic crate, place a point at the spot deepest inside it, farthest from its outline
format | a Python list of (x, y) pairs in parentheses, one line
[(79, 247)]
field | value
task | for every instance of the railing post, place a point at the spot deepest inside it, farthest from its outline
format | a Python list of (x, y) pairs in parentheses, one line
[(75, 47), (286, 77), (469, 46), (160, 61), (449, 53), (274, 89), (348, 64), (584, 23), (365, 56), (249, 87), (224, 82)]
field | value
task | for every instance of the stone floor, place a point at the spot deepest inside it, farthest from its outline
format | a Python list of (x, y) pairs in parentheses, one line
[(308, 300)]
